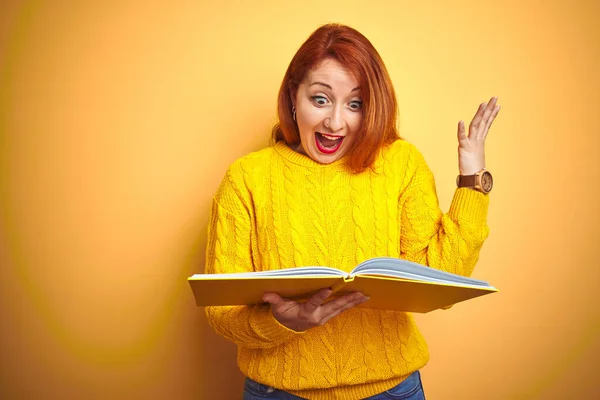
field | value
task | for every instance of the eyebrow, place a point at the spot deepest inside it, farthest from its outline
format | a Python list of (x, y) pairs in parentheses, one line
[(329, 86)]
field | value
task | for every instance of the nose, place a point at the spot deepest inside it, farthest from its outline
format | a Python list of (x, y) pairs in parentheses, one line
[(334, 121)]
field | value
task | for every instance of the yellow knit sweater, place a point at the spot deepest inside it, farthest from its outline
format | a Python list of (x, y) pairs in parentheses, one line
[(278, 209)]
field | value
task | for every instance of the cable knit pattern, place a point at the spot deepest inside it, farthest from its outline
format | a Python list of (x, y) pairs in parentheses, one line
[(274, 219), (341, 226), (390, 203), (295, 215), (278, 209), (359, 217), (388, 326), (317, 213)]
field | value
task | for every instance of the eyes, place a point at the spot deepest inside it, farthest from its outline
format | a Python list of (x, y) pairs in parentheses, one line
[(322, 101)]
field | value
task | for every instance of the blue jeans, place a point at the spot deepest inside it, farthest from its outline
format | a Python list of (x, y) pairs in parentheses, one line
[(409, 389)]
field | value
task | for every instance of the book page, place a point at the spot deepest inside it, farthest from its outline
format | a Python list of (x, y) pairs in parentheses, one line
[(398, 268), (299, 271)]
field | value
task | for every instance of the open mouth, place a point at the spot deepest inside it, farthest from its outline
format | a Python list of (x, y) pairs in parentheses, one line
[(328, 144)]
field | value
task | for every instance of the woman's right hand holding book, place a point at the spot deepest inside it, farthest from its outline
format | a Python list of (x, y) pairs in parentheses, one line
[(314, 312)]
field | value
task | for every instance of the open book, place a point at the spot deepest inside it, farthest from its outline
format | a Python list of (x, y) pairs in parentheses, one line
[(391, 284)]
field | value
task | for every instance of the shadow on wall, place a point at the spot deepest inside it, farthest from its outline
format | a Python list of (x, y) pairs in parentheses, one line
[(221, 376), (212, 371), (213, 368)]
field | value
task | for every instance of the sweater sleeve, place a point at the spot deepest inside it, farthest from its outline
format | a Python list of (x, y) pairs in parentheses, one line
[(451, 241), (229, 249)]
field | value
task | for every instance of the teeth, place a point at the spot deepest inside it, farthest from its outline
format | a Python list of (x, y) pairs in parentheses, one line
[(330, 137)]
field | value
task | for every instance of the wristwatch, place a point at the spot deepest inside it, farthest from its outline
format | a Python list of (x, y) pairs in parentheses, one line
[(482, 181)]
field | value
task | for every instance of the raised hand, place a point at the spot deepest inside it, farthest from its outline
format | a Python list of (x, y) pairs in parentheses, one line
[(471, 152), (314, 312)]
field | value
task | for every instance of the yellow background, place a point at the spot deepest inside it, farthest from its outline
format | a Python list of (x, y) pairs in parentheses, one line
[(118, 120)]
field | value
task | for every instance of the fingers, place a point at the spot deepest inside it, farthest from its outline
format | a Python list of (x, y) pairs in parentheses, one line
[(283, 309), (313, 312), (483, 119), (462, 135), (334, 312), (339, 305), (279, 305), (316, 300), (491, 119), (474, 125), (324, 312)]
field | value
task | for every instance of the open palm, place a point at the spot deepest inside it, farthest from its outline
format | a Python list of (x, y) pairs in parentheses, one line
[(314, 312), (471, 147)]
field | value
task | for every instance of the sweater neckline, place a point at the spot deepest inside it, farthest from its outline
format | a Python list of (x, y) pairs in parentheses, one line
[(300, 159)]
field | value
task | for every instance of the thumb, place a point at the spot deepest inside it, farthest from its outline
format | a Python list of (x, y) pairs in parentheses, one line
[(273, 298), (461, 131)]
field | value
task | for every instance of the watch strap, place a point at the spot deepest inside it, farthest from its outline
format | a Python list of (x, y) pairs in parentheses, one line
[(466, 181)]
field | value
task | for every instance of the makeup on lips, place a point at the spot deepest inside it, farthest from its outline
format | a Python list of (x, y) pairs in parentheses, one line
[(328, 144)]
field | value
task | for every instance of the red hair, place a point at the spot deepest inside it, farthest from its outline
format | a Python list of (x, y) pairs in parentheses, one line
[(356, 53)]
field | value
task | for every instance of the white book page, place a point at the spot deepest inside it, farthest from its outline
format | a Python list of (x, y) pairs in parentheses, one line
[(300, 271), (409, 270)]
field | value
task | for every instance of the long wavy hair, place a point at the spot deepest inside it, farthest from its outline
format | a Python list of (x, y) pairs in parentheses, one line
[(356, 53)]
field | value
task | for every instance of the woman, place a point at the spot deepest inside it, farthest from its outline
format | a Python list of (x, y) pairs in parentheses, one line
[(338, 187)]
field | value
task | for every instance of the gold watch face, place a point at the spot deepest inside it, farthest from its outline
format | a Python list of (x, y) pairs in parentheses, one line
[(487, 182)]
